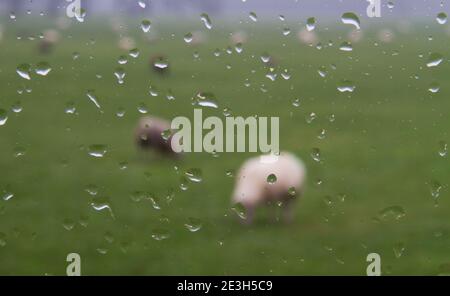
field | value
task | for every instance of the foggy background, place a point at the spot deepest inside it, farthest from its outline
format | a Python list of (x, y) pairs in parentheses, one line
[(227, 9)]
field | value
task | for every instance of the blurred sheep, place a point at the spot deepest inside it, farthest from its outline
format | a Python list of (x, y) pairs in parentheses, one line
[(269, 180), (50, 38), (153, 133)]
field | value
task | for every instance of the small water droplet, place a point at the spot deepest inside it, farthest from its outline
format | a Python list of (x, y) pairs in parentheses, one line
[(316, 154), (239, 210), (271, 179), (443, 149), (193, 224), (160, 234)]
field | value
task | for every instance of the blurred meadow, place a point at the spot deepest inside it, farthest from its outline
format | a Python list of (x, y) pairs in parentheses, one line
[(377, 161)]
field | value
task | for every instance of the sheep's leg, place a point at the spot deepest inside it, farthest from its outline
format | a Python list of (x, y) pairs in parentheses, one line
[(249, 216), (288, 211)]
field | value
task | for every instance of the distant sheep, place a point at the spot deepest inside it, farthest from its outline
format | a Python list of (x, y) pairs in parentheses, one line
[(50, 38), (154, 133), (270, 180)]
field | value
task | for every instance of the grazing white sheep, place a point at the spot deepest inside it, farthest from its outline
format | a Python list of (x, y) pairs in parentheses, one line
[(269, 180), (154, 133), (307, 37)]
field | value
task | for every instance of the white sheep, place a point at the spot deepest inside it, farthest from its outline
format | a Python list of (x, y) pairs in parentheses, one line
[(269, 180)]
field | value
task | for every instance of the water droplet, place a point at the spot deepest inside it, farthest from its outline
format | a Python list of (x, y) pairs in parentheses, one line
[(134, 53), (205, 99), (296, 102), (239, 210), (43, 68), (346, 86), (434, 60), (91, 189), (253, 16), (68, 224), (441, 18), (194, 175), (292, 191), (24, 71), (349, 18), (193, 224), (435, 190), (391, 213), (311, 117), (310, 24), (443, 149), (160, 234), (3, 116), (322, 134), (315, 154), (142, 4), (188, 38), (122, 60), (398, 249), (271, 179), (101, 204), (161, 63), (7, 195), (93, 98), (206, 20), (120, 75), (146, 25), (346, 46), (434, 87), (97, 150)]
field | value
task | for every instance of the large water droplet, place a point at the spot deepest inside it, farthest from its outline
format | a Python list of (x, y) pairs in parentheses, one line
[(3, 116), (93, 98), (346, 86), (146, 25), (310, 24), (97, 150), (206, 20), (253, 16), (349, 18), (24, 71), (194, 175), (441, 18), (43, 68), (434, 60)]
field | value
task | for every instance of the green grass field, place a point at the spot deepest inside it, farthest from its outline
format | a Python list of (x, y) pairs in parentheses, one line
[(381, 151)]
